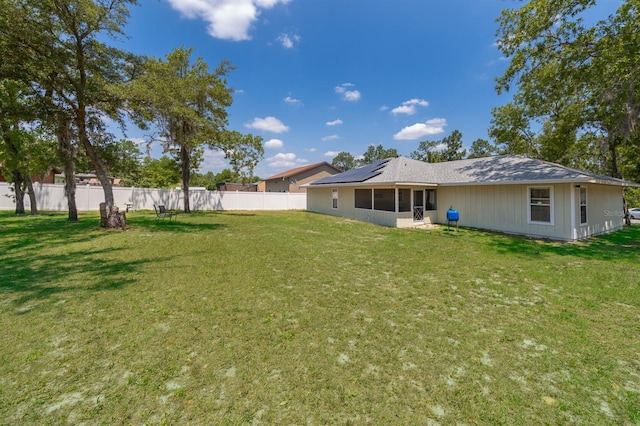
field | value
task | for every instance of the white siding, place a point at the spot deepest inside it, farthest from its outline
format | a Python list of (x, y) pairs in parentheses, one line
[(504, 208), (494, 207), (604, 210), (319, 201)]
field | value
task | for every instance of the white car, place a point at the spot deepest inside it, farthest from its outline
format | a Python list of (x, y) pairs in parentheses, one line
[(634, 213)]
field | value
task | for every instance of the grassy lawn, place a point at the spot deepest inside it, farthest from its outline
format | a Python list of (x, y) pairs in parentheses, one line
[(299, 318)]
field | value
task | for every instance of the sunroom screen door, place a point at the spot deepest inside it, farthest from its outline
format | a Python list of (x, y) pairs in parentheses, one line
[(418, 206)]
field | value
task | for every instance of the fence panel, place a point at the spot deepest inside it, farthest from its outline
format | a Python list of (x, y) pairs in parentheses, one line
[(51, 197)]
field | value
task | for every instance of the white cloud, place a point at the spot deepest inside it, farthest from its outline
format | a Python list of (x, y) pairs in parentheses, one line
[(292, 101), (310, 149), (288, 159), (212, 160), (348, 95), (418, 130), (331, 153), (287, 41), (274, 144), (409, 107), (268, 124), (384, 108), (334, 122), (330, 138), (228, 19), (495, 61)]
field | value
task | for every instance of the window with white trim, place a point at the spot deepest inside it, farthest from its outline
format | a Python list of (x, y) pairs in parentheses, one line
[(540, 209), (583, 206), (334, 198)]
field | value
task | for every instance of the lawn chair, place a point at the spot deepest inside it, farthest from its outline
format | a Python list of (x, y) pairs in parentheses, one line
[(163, 213)]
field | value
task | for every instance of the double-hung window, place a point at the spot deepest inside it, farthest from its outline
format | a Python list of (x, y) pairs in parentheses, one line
[(540, 208), (583, 206), (334, 198)]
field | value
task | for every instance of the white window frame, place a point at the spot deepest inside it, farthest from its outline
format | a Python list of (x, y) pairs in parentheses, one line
[(334, 198), (580, 205), (551, 206)]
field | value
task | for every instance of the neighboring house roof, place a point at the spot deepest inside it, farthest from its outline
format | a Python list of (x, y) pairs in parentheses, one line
[(301, 169), (502, 169)]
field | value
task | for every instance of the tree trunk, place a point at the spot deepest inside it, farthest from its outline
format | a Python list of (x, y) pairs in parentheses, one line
[(81, 122), (614, 159), (185, 159), (112, 217), (70, 191), (98, 166), (625, 208), (65, 153), (18, 180), (32, 195)]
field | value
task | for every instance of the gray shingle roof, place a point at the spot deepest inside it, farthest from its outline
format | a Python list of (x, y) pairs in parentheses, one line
[(502, 169)]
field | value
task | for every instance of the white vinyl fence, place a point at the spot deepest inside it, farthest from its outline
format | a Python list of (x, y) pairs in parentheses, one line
[(52, 198)]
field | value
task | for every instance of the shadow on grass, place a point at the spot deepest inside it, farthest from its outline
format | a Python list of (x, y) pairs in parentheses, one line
[(152, 224), (38, 260), (40, 276), (620, 245)]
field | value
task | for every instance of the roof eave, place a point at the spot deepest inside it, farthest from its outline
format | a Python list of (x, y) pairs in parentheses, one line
[(451, 184)]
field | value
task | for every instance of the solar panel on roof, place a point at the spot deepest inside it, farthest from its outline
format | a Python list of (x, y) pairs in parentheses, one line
[(355, 175)]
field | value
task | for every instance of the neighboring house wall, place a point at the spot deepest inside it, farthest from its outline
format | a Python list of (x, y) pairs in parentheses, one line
[(294, 183), (49, 177), (277, 185)]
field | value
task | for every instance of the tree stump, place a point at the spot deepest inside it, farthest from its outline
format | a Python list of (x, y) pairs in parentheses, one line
[(112, 217)]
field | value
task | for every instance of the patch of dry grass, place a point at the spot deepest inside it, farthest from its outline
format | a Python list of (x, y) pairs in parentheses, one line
[(298, 318)]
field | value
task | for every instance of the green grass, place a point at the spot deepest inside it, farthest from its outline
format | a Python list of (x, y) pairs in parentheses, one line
[(299, 318)]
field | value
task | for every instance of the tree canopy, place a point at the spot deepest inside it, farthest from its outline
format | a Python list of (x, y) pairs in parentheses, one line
[(575, 85), (58, 52), (447, 149), (375, 153), (187, 103), (344, 161)]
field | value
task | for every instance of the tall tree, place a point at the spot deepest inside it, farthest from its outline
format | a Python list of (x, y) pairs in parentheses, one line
[(375, 153), (25, 150), (57, 47), (161, 173), (447, 149), (243, 153), (123, 160), (14, 141), (482, 148), (344, 161), (574, 82), (187, 103)]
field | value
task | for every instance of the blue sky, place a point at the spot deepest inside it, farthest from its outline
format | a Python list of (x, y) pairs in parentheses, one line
[(314, 78)]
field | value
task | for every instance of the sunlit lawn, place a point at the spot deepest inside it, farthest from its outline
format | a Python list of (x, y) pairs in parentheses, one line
[(299, 318)]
